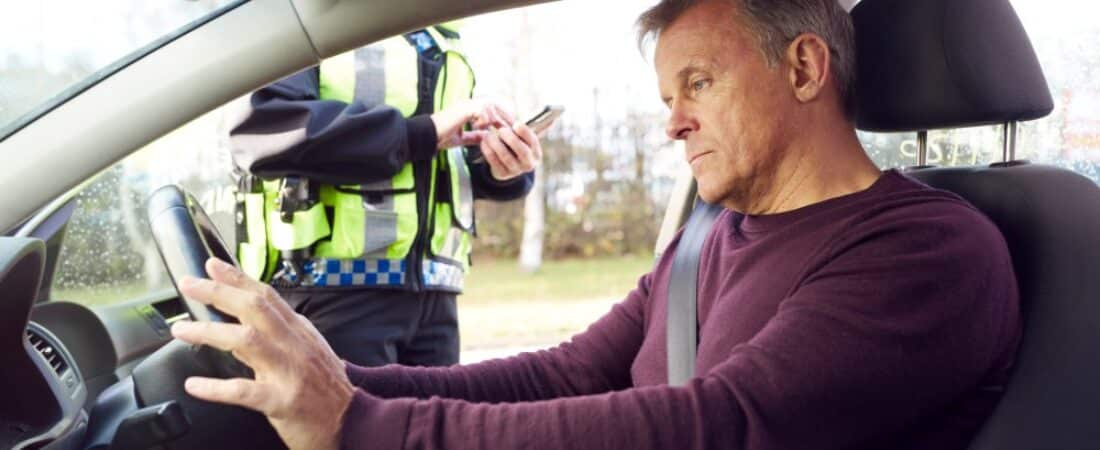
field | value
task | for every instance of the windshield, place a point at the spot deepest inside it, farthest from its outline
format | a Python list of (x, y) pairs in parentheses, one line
[(54, 49)]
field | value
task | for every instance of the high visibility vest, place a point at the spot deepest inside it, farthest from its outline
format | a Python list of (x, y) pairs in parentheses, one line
[(377, 234)]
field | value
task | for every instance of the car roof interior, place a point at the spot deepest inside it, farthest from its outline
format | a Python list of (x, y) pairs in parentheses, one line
[(959, 63)]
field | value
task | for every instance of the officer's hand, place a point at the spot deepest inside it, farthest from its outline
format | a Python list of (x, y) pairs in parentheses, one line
[(300, 383), (450, 123), (511, 151)]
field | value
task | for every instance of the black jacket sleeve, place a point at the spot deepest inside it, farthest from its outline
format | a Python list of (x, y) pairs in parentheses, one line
[(289, 131)]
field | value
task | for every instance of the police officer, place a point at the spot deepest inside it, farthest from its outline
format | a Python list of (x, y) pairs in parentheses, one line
[(356, 192)]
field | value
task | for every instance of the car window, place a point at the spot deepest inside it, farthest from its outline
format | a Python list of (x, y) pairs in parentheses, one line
[(107, 254), (954, 147), (54, 49), (1065, 41)]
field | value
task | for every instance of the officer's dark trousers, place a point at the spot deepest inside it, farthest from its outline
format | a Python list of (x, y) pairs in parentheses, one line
[(372, 327)]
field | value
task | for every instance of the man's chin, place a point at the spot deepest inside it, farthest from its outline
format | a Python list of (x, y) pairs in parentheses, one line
[(709, 195), (725, 196)]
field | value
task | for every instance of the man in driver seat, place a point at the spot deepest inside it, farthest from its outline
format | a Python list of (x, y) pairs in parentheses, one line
[(840, 307)]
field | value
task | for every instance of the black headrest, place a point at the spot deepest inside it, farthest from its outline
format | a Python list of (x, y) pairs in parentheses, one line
[(927, 64)]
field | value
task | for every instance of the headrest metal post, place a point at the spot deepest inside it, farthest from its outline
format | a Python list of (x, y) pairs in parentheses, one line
[(1009, 140), (922, 148)]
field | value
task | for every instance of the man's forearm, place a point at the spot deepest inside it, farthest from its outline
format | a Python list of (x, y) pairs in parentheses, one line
[(595, 361), (699, 416)]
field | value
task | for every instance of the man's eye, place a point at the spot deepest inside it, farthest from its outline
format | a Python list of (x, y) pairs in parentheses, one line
[(699, 85)]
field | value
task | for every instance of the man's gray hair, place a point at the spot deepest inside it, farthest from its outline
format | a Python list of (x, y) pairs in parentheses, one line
[(776, 23)]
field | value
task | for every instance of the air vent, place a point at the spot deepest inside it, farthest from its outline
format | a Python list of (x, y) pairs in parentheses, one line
[(47, 350)]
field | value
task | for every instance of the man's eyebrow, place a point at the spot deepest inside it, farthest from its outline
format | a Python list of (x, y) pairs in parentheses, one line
[(695, 65), (687, 72)]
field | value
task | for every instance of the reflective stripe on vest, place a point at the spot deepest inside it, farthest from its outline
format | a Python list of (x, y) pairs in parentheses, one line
[(378, 231), (391, 273), (454, 224), (441, 275), (384, 72), (343, 272)]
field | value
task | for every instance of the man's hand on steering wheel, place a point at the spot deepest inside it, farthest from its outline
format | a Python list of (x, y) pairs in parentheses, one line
[(300, 385)]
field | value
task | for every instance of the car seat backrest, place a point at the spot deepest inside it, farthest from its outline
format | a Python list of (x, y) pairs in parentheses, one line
[(1049, 217), (926, 64)]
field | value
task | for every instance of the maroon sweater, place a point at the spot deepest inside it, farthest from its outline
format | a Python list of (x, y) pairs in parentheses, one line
[(882, 319)]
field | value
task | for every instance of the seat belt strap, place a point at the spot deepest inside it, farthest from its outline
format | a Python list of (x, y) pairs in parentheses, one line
[(682, 324)]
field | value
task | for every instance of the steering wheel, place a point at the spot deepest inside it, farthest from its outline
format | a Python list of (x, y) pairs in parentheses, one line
[(186, 238)]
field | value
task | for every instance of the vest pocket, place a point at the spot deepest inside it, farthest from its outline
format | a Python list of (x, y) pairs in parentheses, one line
[(369, 227), (306, 228)]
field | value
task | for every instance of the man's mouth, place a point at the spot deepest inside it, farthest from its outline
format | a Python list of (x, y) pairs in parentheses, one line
[(693, 158)]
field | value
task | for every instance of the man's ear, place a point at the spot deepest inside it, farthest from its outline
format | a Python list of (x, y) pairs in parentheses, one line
[(808, 59)]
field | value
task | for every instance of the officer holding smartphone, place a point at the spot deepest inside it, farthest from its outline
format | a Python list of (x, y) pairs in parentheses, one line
[(356, 199), (539, 123)]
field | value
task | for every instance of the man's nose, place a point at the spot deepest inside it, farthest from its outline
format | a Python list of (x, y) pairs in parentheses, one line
[(680, 124)]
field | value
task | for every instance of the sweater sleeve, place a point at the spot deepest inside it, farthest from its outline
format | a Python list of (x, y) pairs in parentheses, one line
[(288, 130), (844, 362), (595, 361)]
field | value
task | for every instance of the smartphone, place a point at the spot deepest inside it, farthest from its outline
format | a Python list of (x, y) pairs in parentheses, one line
[(538, 123), (541, 121)]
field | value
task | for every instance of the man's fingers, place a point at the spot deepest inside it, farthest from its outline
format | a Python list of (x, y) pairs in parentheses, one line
[(506, 161), (237, 391), (489, 118), (521, 151), (531, 138), (243, 341), (506, 117), (224, 272), (449, 122), (223, 336), (492, 115), (489, 154), (253, 308), (473, 137)]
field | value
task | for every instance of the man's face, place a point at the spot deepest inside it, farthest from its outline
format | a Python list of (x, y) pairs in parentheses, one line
[(730, 109)]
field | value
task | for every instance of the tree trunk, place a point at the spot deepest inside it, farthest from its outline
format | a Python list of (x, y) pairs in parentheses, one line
[(534, 220)]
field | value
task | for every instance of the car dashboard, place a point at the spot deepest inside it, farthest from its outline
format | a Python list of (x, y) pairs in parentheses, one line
[(49, 408), (58, 357)]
